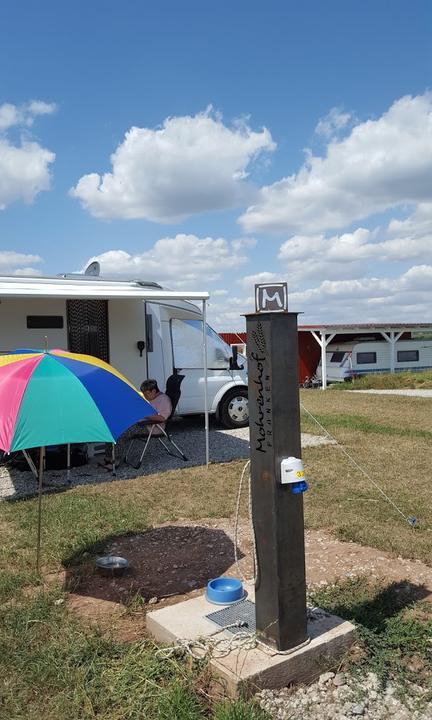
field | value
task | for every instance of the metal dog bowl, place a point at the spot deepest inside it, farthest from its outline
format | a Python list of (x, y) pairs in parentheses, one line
[(112, 564)]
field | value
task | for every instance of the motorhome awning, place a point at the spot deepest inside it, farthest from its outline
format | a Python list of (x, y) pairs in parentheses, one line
[(88, 288)]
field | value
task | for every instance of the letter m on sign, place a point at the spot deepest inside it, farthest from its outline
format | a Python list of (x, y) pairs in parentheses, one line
[(271, 298)]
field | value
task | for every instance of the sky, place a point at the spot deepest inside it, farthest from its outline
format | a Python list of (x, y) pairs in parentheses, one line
[(211, 146)]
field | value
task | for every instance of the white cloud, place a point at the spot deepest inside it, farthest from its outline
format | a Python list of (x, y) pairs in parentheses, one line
[(381, 164), (24, 167), (24, 171), (332, 123), (227, 316), (189, 165), (11, 115), (405, 298), (369, 299), (347, 255), (338, 249), (39, 107), (183, 261), (249, 281), (13, 263)]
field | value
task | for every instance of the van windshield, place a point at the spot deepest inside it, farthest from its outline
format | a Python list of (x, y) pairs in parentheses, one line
[(188, 350), (337, 357)]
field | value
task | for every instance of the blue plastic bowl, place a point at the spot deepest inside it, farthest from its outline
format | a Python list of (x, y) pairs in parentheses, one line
[(224, 590)]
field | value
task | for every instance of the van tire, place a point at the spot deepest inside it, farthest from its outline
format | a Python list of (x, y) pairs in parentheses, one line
[(233, 408)]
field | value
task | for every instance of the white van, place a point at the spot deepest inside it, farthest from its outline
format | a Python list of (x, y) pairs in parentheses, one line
[(348, 360), (139, 327)]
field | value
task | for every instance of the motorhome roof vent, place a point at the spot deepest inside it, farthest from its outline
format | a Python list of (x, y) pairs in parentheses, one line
[(148, 283)]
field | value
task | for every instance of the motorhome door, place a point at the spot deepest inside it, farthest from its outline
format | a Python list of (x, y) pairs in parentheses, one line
[(88, 327)]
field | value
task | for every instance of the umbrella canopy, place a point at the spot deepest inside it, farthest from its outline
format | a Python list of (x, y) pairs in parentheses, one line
[(56, 397)]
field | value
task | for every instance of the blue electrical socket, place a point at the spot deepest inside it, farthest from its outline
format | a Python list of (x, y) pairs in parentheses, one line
[(299, 487)]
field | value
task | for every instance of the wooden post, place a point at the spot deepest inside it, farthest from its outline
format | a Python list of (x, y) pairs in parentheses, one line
[(274, 412)]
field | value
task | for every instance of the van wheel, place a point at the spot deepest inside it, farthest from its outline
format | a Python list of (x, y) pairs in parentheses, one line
[(233, 408)]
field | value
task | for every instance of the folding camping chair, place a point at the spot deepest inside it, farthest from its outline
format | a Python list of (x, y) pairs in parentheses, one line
[(173, 391)]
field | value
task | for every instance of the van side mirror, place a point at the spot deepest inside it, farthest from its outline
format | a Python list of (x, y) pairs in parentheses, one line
[(234, 359)]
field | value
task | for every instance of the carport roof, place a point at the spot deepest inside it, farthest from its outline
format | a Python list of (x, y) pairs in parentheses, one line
[(366, 327)]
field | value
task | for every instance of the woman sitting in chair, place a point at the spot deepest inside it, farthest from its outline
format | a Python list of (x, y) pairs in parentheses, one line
[(156, 425), (156, 422), (160, 402)]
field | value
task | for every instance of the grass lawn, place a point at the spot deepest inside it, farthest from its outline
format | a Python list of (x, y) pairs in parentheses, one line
[(54, 667), (390, 437), (389, 381)]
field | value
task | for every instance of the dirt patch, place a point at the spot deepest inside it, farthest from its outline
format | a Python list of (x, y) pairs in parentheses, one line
[(173, 562), (167, 561), (166, 565), (328, 560)]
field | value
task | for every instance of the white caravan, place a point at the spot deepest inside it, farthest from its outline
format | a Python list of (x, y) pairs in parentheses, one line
[(348, 360), (142, 329)]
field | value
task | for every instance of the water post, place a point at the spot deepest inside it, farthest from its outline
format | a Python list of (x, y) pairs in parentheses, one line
[(278, 481), (274, 411)]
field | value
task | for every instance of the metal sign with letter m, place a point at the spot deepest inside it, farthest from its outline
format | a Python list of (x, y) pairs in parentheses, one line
[(271, 298)]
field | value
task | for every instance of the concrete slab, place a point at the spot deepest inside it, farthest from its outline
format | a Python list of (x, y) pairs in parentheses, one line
[(245, 670)]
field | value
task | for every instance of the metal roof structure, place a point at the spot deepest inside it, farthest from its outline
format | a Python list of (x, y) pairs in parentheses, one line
[(87, 287), (364, 327)]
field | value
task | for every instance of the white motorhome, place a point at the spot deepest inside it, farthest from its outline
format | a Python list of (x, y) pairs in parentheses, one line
[(348, 360), (139, 327)]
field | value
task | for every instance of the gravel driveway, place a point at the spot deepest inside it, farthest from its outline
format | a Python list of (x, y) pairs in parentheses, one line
[(225, 445), (411, 393)]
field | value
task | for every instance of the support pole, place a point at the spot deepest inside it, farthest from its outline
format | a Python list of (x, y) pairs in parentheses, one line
[(323, 361), (392, 337), (274, 411), (206, 413), (323, 341), (41, 469)]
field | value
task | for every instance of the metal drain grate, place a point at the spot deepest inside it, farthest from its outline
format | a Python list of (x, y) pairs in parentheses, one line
[(242, 612)]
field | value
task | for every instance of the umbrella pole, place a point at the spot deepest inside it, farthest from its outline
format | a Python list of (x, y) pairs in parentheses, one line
[(41, 465), (113, 460), (68, 462)]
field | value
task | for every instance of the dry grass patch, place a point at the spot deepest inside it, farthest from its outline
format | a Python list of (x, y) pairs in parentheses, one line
[(398, 412), (386, 381), (390, 437)]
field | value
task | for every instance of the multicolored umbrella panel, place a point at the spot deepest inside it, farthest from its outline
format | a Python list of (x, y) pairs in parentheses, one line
[(56, 397)]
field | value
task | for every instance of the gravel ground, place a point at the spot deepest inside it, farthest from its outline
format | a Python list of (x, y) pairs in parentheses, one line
[(225, 445), (412, 393), (341, 696)]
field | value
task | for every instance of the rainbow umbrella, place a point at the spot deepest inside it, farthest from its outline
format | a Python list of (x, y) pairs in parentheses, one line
[(57, 398)]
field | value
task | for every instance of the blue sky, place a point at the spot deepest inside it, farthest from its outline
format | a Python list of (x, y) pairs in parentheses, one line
[(290, 141)]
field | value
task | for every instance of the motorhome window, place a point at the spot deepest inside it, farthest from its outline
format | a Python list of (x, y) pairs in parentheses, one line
[(407, 355), (45, 322), (187, 346), (337, 357), (149, 332), (366, 358)]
